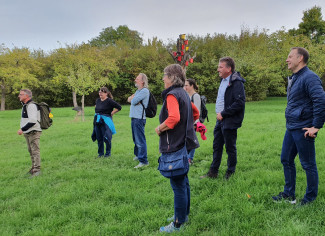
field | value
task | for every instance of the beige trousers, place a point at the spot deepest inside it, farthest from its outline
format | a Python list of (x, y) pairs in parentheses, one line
[(33, 144)]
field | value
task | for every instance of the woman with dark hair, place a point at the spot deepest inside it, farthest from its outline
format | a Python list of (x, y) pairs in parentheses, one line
[(104, 128), (192, 88), (177, 134)]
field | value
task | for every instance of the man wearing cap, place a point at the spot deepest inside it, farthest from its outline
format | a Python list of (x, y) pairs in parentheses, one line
[(230, 108)]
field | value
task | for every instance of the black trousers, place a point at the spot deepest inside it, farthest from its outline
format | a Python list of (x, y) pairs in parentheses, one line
[(227, 137)]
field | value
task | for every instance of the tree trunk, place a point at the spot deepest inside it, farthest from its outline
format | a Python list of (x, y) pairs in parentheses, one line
[(3, 97), (75, 103), (74, 99), (83, 107)]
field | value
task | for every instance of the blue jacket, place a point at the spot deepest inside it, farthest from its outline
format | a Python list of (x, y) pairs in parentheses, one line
[(306, 101), (233, 113), (109, 126)]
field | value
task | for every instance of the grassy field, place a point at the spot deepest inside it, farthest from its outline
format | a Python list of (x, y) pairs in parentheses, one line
[(78, 194)]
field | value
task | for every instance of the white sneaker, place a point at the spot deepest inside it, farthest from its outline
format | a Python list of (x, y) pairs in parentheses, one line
[(169, 228), (141, 165), (135, 158)]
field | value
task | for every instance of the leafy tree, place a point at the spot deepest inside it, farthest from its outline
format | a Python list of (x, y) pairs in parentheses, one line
[(62, 60), (110, 36), (150, 59), (16, 71), (53, 92), (208, 49), (85, 69), (312, 25)]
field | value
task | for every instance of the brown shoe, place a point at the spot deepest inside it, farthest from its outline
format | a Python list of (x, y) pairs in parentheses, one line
[(212, 175)]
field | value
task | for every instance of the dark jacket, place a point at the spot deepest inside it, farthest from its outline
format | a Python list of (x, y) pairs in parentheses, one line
[(174, 139), (306, 101), (233, 113)]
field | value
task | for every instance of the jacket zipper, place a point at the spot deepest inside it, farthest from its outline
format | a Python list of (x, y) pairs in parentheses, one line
[(167, 141)]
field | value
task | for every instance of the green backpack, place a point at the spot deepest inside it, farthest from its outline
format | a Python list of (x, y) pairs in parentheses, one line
[(45, 111)]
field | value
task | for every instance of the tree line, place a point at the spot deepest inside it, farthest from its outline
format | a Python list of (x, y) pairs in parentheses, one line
[(72, 75)]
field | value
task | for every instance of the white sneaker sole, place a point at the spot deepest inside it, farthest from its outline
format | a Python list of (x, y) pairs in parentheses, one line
[(291, 202)]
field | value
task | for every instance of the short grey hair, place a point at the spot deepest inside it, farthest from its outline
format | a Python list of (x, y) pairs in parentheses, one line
[(144, 80), (28, 92), (176, 74)]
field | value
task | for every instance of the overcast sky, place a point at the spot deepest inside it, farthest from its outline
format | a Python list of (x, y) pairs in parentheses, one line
[(50, 24)]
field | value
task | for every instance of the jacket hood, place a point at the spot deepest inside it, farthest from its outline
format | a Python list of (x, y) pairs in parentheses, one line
[(236, 76)]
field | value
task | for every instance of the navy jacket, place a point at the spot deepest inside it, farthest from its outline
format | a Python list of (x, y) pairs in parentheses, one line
[(233, 113), (306, 101)]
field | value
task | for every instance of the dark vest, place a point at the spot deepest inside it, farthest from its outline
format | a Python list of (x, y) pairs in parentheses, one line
[(174, 139)]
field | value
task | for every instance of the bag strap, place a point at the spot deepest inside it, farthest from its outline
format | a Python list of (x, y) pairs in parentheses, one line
[(142, 109), (143, 105), (192, 97)]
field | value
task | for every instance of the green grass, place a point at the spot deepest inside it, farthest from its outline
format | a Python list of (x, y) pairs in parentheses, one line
[(78, 194)]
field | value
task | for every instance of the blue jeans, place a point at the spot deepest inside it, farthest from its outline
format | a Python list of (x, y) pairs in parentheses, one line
[(139, 139), (100, 132), (182, 198), (227, 137), (295, 143), (190, 154)]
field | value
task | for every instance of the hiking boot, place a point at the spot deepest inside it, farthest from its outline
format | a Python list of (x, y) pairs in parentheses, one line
[(141, 164), (30, 172), (210, 174), (35, 173), (169, 228), (228, 174), (284, 197), (172, 218), (135, 158)]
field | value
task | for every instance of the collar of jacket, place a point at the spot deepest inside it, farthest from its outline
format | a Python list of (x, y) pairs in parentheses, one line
[(166, 91), (30, 100), (302, 70)]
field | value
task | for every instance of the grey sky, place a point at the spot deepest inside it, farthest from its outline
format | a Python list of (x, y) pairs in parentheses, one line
[(49, 24)]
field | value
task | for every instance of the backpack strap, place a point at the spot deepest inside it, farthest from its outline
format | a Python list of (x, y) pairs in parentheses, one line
[(143, 108), (37, 106), (143, 105), (192, 98)]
